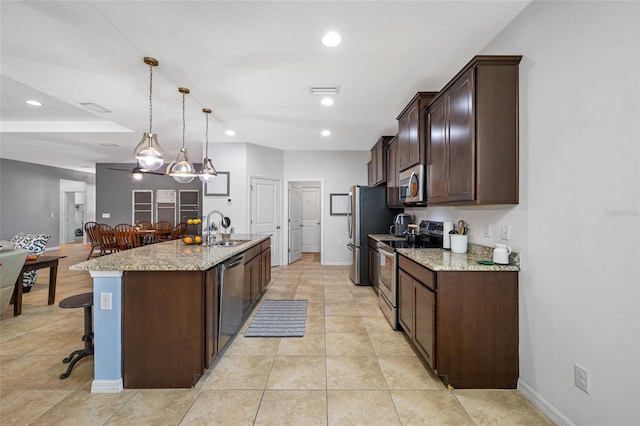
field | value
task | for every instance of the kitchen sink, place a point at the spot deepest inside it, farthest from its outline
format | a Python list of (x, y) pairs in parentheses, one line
[(231, 243)]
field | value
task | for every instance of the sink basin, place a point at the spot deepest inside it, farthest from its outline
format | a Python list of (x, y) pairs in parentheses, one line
[(231, 243)]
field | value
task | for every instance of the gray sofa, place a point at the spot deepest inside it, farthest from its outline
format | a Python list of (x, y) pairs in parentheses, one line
[(11, 263)]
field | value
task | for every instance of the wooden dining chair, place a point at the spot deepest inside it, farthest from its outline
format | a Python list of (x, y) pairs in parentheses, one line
[(126, 236), (163, 229), (145, 224), (106, 237), (89, 229), (178, 231)]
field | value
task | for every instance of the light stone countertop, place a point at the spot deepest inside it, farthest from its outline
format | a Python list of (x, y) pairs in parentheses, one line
[(438, 259), (169, 256)]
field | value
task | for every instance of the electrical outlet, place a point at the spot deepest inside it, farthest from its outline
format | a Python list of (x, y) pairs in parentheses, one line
[(581, 377), (105, 301), (488, 231), (506, 232)]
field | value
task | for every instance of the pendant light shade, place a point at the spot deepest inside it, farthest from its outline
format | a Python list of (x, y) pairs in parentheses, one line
[(148, 152), (181, 169), (208, 171)]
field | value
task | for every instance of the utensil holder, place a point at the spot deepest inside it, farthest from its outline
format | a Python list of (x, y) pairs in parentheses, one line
[(459, 243)]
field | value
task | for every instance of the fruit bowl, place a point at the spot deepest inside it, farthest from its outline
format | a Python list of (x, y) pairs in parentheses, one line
[(32, 256)]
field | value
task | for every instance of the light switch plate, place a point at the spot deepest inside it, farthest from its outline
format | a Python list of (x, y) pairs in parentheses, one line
[(105, 301), (106, 215)]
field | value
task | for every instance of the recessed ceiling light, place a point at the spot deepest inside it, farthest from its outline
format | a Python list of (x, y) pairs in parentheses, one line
[(326, 101), (331, 39), (230, 133), (325, 133), (34, 103)]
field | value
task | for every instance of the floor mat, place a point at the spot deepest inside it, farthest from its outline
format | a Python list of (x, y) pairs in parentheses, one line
[(279, 318)]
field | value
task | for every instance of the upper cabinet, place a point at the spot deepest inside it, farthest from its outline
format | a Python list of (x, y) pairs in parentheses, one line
[(411, 135), (377, 168), (472, 135), (393, 184)]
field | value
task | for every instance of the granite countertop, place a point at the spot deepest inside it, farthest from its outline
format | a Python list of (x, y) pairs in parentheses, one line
[(169, 256), (438, 259)]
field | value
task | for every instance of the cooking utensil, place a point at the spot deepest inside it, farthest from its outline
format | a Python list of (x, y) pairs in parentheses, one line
[(461, 225)]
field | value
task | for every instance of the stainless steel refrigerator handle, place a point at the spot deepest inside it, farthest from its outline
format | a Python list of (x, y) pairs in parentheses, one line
[(349, 215)]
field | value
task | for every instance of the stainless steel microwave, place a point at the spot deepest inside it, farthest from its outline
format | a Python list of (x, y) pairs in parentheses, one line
[(412, 185)]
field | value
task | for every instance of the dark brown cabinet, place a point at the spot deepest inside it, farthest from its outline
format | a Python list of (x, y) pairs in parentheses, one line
[(411, 132), (374, 264), (464, 324), (472, 135), (393, 189), (169, 327), (416, 308), (377, 167)]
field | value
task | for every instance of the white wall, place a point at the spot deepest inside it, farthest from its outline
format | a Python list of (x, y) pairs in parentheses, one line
[(338, 170), (232, 158), (577, 224)]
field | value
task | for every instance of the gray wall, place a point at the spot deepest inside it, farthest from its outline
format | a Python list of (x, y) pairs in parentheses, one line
[(113, 190), (29, 194)]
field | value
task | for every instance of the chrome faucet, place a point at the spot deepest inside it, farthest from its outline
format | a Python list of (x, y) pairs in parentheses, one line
[(224, 221)]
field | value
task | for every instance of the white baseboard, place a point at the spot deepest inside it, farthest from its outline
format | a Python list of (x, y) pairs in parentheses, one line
[(106, 386), (543, 405), (52, 248)]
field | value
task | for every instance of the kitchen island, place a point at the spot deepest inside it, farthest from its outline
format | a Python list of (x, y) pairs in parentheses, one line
[(156, 310)]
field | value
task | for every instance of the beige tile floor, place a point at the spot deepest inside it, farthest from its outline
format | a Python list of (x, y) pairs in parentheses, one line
[(350, 368)]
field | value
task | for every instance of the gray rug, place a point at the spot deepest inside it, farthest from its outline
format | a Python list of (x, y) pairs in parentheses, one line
[(279, 318)]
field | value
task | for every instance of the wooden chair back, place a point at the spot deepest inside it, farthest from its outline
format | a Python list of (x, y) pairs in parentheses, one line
[(145, 224), (178, 231), (106, 237), (163, 229), (126, 236), (89, 229)]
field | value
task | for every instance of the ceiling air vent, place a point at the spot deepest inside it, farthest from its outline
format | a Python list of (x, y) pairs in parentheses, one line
[(326, 90), (94, 107)]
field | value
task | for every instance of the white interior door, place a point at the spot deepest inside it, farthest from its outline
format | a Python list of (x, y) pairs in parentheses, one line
[(265, 213), (295, 221), (310, 220)]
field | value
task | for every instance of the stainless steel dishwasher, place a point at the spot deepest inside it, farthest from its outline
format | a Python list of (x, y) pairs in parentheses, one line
[(231, 293)]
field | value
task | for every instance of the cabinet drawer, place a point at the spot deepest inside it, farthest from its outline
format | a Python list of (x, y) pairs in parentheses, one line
[(251, 253), (420, 273)]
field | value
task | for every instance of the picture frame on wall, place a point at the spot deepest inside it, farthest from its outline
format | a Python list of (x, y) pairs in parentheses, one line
[(338, 204), (219, 185)]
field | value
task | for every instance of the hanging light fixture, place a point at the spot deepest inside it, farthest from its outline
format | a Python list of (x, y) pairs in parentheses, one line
[(148, 152), (181, 169), (208, 171)]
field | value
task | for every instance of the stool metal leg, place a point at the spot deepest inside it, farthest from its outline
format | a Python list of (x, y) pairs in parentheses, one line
[(88, 344)]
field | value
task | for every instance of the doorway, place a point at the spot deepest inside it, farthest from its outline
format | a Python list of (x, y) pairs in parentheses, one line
[(72, 211), (305, 225)]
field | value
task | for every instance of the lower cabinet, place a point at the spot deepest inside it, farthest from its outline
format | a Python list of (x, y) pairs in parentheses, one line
[(463, 323), (257, 275)]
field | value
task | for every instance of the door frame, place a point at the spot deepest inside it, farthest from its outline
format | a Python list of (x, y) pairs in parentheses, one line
[(285, 224), (66, 186)]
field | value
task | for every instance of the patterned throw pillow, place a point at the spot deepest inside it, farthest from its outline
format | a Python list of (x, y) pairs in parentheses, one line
[(34, 244)]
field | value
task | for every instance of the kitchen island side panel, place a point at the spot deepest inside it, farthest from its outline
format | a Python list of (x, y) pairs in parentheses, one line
[(163, 316)]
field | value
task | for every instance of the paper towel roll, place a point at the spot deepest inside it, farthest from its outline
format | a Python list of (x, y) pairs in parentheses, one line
[(446, 240)]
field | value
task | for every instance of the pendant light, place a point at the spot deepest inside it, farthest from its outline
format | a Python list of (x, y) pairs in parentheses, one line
[(181, 169), (208, 171), (148, 152)]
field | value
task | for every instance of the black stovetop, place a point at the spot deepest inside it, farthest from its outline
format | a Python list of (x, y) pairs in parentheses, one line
[(405, 244)]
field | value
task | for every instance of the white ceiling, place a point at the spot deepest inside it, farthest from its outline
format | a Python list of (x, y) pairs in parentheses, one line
[(252, 62)]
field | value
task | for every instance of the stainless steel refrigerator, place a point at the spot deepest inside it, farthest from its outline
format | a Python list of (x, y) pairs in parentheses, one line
[(367, 213)]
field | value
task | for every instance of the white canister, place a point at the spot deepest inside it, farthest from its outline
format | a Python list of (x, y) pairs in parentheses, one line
[(459, 243), (446, 241)]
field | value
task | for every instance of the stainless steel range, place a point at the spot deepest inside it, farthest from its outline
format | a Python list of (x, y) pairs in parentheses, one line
[(430, 237)]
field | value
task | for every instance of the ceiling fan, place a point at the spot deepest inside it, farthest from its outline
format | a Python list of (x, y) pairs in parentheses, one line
[(137, 172)]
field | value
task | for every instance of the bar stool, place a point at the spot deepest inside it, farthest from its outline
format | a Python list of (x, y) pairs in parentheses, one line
[(85, 301)]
